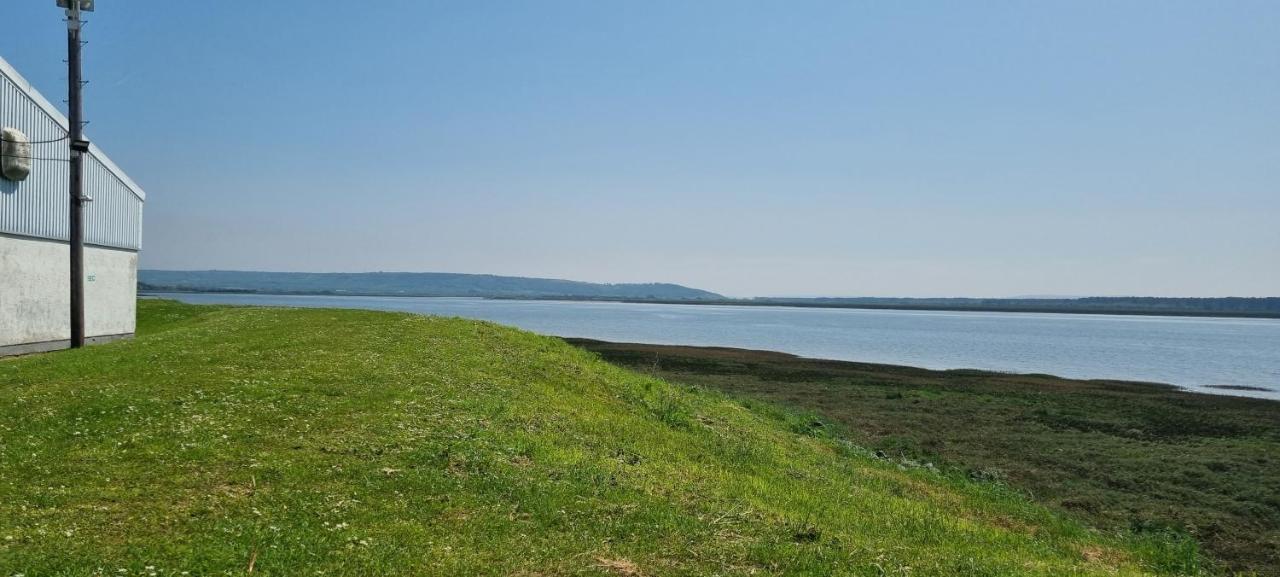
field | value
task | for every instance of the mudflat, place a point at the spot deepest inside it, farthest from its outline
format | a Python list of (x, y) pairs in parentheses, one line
[(1123, 456)]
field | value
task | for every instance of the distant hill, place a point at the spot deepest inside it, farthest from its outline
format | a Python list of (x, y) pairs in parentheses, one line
[(436, 284), (408, 284)]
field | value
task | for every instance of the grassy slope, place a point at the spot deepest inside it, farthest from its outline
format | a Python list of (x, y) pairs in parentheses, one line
[(284, 442), (1121, 455)]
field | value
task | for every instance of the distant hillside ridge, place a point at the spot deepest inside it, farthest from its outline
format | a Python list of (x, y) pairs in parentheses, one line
[(408, 284)]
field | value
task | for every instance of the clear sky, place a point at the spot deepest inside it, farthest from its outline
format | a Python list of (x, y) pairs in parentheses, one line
[(751, 148)]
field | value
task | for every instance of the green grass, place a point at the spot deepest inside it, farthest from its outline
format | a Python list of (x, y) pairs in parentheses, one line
[(230, 441), (1123, 456)]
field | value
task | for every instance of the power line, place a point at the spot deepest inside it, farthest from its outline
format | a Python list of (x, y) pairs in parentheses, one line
[(62, 138), (34, 157)]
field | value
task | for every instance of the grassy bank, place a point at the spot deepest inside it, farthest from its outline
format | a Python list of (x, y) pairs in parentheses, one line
[(1121, 455), (234, 441)]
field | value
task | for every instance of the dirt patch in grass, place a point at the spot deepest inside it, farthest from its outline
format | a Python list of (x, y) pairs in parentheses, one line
[(619, 567)]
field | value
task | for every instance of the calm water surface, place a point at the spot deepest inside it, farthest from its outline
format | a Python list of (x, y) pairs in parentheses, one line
[(1190, 352)]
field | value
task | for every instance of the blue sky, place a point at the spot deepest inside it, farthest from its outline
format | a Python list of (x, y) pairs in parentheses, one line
[(751, 148)]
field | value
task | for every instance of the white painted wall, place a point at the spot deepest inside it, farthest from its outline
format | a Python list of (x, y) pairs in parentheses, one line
[(34, 302)]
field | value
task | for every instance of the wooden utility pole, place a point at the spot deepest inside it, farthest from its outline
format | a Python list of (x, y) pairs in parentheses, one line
[(79, 146)]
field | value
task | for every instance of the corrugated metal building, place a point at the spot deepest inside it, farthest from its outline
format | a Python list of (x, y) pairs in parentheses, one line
[(34, 248)]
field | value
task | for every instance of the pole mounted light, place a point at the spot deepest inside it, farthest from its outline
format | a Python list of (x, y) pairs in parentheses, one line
[(85, 5), (79, 146)]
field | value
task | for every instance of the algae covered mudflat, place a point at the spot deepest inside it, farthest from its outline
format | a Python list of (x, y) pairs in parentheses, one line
[(1124, 456)]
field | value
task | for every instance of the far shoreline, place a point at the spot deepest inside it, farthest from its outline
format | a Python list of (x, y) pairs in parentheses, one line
[(151, 291)]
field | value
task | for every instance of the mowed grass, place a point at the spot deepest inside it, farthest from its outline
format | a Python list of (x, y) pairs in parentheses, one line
[(235, 441)]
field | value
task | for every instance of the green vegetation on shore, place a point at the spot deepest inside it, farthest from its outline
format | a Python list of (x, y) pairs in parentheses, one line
[(1120, 455), (1224, 307), (232, 441), (1261, 307)]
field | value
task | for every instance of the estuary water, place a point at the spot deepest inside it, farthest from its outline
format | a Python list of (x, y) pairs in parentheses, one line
[(1192, 352)]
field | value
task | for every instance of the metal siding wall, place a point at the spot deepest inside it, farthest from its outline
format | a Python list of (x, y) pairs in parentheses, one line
[(38, 206), (114, 218)]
